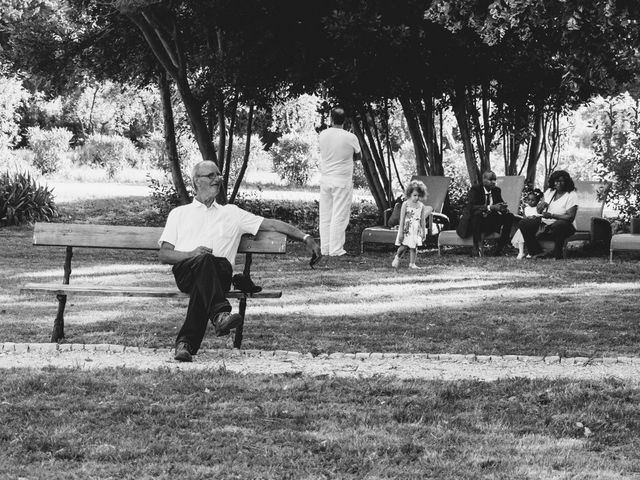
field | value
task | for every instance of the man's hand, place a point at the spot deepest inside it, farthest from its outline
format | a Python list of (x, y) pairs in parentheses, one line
[(316, 254), (200, 251), (499, 207)]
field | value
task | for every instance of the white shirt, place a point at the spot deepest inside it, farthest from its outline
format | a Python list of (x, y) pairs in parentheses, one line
[(218, 227), (561, 205), (337, 147), (530, 211), (488, 192)]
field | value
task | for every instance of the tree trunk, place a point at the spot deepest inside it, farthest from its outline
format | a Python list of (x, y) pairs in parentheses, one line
[(459, 105), (535, 146), (370, 171), (375, 154), (434, 148), (163, 40), (245, 158), (419, 147), (170, 139), (229, 147)]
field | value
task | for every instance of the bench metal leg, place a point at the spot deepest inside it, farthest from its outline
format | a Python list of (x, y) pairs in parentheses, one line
[(237, 338), (58, 323)]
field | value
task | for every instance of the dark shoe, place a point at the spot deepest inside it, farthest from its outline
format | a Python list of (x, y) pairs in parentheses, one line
[(542, 255), (245, 284), (183, 352), (477, 251), (224, 322)]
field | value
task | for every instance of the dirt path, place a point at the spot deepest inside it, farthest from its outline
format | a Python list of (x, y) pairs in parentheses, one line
[(403, 366)]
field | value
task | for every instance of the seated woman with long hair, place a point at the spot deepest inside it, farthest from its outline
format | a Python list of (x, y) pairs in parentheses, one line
[(558, 210)]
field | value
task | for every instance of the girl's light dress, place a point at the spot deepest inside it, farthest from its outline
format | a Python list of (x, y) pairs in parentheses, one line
[(413, 231), (529, 211)]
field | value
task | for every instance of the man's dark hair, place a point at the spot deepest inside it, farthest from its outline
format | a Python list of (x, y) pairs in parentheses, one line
[(337, 116), (568, 181)]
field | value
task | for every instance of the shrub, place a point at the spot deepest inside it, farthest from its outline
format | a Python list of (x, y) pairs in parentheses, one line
[(359, 178), (110, 152), (22, 200), (292, 159), (456, 195), (164, 195), (49, 147), (616, 145), (304, 214), (11, 95)]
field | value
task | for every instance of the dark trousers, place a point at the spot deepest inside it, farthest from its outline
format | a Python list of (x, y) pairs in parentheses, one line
[(206, 279), (491, 223), (557, 232)]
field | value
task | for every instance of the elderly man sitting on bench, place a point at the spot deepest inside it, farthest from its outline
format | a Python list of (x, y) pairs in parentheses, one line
[(201, 240)]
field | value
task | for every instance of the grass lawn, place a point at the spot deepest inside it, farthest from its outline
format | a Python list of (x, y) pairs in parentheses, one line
[(213, 424), (164, 424), (580, 307)]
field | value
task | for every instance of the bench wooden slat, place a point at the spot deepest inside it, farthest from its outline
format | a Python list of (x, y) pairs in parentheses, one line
[(136, 238), (129, 291)]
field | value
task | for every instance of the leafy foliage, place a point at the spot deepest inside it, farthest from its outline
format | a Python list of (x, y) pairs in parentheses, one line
[(292, 159), (164, 195), (110, 152), (304, 214), (22, 200), (616, 145), (11, 95), (49, 147)]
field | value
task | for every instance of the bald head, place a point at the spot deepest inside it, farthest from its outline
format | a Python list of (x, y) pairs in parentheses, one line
[(207, 165)]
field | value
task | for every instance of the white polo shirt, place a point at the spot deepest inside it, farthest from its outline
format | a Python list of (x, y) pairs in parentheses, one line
[(561, 205), (218, 227), (337, 147)]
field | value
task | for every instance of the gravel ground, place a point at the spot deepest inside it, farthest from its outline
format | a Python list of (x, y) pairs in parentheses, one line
[(359, 365)]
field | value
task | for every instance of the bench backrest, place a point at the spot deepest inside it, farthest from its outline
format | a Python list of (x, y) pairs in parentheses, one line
[(436, 190), (591, 199), (511, 187), (136, 238)]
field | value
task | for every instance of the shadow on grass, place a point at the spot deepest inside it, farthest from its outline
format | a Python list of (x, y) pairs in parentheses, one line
[(455, 305)]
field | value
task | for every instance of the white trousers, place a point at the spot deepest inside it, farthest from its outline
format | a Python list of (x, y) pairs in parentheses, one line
[(335, 211)]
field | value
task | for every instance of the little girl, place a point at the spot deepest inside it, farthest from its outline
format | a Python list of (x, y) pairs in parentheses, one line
[(529, 211), (412, 229)]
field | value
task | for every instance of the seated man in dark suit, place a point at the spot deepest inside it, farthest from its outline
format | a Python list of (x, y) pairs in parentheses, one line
[(485, 213)]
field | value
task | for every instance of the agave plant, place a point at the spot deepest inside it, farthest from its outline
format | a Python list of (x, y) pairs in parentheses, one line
[(22, 200)]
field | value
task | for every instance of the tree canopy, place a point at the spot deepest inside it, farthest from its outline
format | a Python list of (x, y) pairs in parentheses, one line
[(503, 67)]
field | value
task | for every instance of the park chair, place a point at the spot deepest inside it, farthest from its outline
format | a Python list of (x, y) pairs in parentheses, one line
[(511, 187), (591, 228), (437, 187)]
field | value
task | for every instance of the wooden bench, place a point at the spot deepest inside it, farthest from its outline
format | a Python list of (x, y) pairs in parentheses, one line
[(133, 238)]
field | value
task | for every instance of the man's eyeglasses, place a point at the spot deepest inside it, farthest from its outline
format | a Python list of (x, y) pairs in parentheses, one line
[(210, 176)]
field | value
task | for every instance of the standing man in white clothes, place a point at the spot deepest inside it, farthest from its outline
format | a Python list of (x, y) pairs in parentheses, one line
[(338, 150)]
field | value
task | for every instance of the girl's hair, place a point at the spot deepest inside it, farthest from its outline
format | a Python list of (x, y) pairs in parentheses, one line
[(568, 182), (416, 186), (536, 192)]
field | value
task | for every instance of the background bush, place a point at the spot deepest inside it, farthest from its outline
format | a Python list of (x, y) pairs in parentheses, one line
[(22, 200), (111, 152), (304, 214), (11, 96), (49, 148), (292, 159)]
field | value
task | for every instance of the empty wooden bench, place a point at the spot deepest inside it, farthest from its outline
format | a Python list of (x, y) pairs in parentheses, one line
[(133, 238)]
